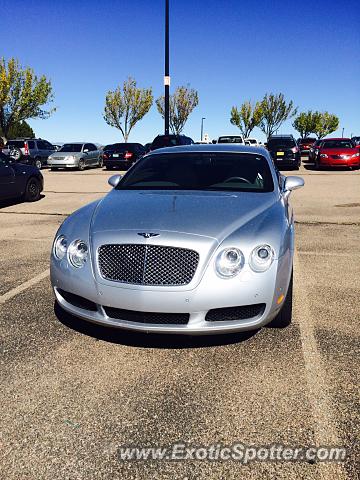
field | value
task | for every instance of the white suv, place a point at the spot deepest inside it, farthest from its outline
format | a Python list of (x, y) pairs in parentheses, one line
[(231, 139), (253, 142)]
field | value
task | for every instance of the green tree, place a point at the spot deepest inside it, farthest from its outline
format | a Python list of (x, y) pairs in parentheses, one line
[(23, 95), (325, 123), (127, 106), (247, 117), (181, 103), (305, 123), (21, 129), (275, 110)]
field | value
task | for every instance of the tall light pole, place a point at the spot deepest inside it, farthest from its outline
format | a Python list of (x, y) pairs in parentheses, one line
[(167, 75), (342, 133), (202, 128)]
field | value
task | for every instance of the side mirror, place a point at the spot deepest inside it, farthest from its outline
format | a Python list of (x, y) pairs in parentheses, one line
[(114, 180), (292, 183)]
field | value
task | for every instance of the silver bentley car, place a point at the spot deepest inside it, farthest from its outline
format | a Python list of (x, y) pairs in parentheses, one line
[(192, 240)]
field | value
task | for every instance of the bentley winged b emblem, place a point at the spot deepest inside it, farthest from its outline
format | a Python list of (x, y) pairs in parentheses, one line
[(148, 235)]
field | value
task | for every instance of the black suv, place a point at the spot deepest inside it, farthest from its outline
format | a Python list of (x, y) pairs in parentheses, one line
[(122, 155), (284, 151), (33, 151), (162, 141)]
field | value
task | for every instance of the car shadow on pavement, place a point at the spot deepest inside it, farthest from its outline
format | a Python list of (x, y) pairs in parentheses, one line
[(147, 340), (16, 201), (312, 166)]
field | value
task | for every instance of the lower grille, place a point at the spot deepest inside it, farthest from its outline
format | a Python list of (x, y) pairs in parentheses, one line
[(78, 301), (147, 317), (147, 264), (340, 157), (235, 313)]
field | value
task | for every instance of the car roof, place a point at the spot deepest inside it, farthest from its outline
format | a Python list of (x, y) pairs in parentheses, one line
[(281, 136), (231, 135), (217, 147), (338, 138)]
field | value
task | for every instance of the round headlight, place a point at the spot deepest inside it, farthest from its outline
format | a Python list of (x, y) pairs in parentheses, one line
[(77, 253), (229, 262), (60, 247), (261, 258)]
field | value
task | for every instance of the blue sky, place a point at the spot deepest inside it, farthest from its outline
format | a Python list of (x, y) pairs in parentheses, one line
[(229, 51)]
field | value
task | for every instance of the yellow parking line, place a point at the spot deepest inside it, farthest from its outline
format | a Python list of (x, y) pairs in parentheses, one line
[(24, 286)]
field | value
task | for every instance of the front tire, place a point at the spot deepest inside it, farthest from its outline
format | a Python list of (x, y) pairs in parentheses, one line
[(81, 165), (284, 317), (101, 162), (32, 190), (37, 163)]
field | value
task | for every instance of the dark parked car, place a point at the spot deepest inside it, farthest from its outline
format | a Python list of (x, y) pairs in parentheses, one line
[(162, 141), (314, 150), (147, 147), (19, 181), (305, 144), (356, 141), (122, 155), (284, 151), (33, 151)]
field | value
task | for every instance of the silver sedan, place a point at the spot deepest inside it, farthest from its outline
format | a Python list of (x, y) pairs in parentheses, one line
[(192, 240), (76, 155)]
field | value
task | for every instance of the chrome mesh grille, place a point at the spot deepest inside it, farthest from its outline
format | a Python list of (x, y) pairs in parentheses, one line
[(147, 264)]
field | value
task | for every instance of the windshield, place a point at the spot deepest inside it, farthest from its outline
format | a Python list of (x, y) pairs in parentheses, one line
[(307, 140), (165, 141), (120, 147), (230, 139), (71, 147), (200, 171), (281, 143), (337, 144), (15, 143)]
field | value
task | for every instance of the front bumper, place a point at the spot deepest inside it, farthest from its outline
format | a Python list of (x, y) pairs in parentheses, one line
[(63, 163), (246, 289), (118, 163), (341, 162)]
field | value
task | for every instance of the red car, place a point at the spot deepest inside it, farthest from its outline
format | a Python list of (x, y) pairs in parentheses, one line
[(305, 144), (337, 152)]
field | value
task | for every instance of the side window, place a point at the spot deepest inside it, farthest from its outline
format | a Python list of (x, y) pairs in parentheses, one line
[(86, 147), (31, 144), (41, 145), (93, 147), (90, 147), (49, 146)]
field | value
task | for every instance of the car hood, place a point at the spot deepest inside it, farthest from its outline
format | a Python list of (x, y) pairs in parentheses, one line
[(65, 154), (339, 151), (212, 214)]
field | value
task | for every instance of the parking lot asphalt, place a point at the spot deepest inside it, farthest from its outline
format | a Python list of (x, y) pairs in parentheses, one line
[(72, 394)]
